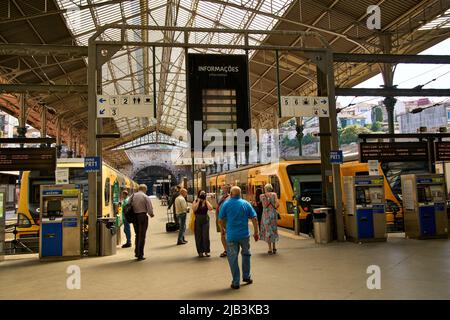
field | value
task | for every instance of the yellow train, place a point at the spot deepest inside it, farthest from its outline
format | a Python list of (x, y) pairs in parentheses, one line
[(292, 180), (113, 183)]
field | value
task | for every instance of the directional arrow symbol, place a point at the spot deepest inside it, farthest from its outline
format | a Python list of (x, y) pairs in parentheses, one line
[(102, 111), (101, 100)]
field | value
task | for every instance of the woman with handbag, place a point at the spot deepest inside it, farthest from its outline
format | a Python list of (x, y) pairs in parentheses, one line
[(200, 208), (269, 228)]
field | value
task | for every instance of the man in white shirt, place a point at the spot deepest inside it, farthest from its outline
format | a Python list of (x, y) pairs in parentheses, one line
[(142, 206), (181, 210)]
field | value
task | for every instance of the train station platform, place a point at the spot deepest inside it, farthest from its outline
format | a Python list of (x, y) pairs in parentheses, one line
[(302, 269)]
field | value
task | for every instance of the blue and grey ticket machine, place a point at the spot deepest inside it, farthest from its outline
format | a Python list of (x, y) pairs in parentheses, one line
[(425, 205), (365, 208), (61, 221)]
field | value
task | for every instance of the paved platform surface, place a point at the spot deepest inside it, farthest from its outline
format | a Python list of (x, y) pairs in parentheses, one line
[(410, 269)]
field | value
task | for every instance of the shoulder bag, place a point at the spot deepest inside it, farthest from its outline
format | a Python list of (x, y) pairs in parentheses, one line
[(128, 211)]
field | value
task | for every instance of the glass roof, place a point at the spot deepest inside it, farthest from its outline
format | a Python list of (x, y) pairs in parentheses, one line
[(131, 69)]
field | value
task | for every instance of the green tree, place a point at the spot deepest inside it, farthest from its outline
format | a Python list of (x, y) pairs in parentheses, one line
[(308, 139), (377, 115), (350, 134), (377, 126)]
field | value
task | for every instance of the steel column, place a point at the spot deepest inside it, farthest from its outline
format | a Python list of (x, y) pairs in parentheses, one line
[(299, 129), (154, 80), (44, 122), (92, 146), (336, 174), (58, 136), (325, 143), (203, 175), (331, 175), (22, 129), (278, 81)]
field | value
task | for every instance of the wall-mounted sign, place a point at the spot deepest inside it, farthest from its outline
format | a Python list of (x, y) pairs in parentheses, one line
[(304, 106), (92, 164), (373, 168), (125, 106), (336, 157), (62, 176)]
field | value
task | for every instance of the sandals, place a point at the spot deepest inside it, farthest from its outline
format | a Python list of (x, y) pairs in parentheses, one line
[(223, 254), (274, 251), (270, 252)]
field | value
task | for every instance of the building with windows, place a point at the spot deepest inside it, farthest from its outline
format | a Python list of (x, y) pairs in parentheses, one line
[(431, 117)]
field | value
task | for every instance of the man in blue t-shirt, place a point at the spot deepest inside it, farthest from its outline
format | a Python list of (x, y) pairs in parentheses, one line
[(236, 212)]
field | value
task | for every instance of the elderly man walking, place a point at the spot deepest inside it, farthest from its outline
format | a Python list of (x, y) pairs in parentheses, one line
[(181, 209), (141, 206), (237, 212)]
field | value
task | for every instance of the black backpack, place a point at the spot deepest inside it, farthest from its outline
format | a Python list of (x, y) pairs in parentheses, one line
[(128, 211)]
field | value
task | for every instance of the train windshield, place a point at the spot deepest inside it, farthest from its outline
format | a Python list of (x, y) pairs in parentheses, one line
[(394, 170), (37, 178), (306, 183)]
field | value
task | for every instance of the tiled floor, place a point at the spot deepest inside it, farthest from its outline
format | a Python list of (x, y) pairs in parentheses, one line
[(410, 269)]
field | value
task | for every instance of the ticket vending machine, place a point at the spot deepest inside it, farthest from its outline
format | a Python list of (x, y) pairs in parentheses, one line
[(365, 208), (425, 204), (2, 222), (61, 221)]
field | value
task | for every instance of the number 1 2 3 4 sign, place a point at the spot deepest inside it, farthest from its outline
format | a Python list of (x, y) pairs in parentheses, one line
[(120, 106)]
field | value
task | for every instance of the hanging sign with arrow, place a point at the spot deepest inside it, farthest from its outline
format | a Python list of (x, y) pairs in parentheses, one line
[(124, 106), (304, 106)]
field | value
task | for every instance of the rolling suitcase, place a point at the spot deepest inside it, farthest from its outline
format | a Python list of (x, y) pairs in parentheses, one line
[(171, 224)]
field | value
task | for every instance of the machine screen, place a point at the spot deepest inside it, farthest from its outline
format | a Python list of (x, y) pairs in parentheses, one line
[(53, 208), (362, 196), (424, 194)]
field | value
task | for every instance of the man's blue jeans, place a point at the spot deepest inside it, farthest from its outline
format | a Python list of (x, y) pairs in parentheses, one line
[(182, 223), (233, 248), (127, 230)]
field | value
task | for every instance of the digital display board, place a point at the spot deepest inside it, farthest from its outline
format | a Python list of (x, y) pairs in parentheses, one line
[(442, 151), (393, 151), (21, 159), (218, 92)]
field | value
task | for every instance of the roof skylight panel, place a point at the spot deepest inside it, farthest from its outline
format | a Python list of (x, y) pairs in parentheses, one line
[(441, 22)]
